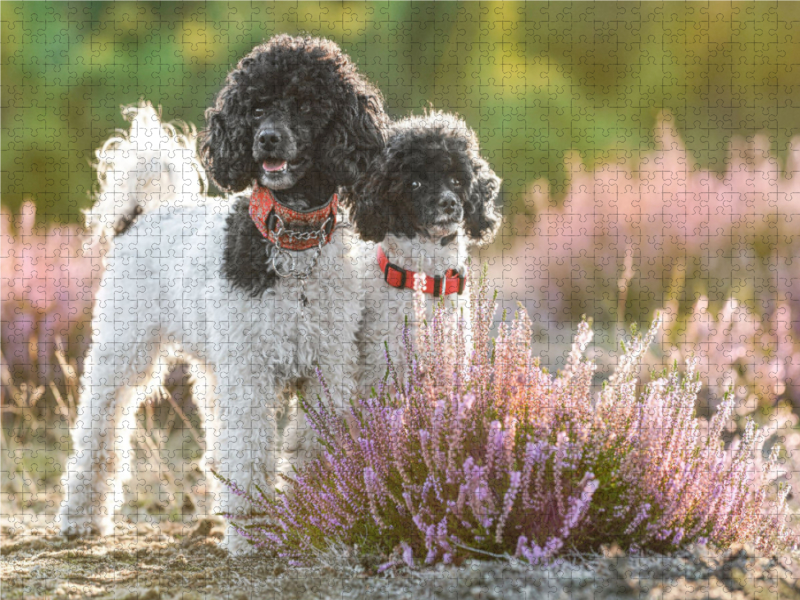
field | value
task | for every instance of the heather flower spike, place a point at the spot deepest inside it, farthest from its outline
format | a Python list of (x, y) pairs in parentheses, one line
[(479, 451)]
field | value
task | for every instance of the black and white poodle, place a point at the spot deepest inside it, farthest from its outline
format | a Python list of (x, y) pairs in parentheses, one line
[(424, 199), (297, 118), (257, 289)]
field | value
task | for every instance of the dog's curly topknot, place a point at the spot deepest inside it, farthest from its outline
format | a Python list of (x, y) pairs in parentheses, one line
[(314, 71)]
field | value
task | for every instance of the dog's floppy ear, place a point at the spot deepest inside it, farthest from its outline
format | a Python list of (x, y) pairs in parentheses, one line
[(355, 135), (481, 219), (371, 209), (225, 144)]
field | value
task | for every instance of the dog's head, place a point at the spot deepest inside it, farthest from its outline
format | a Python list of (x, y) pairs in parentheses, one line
[(429, 181), (294, 109)]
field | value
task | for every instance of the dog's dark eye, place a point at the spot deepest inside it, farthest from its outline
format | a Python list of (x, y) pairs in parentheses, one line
[(415, 184), (258, 113), (457, 183)]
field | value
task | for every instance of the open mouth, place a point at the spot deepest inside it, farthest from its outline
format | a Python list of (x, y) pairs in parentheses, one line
[(443, 228), (275, 166), (281, 173)]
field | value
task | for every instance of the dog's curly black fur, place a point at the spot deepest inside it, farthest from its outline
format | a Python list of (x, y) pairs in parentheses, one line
[(245, 252), (294, 116), (429, 178)]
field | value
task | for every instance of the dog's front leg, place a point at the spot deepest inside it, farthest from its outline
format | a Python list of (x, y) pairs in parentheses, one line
[(298, 441), (245, 452), (295, 440)]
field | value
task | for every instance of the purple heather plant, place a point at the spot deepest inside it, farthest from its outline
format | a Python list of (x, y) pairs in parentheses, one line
[(481, 450), (49, 276)]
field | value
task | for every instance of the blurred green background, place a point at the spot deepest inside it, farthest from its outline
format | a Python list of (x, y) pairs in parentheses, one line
[(536, 80)]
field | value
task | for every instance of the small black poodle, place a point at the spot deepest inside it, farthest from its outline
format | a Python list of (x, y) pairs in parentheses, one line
[(424, 199), (428, 181)]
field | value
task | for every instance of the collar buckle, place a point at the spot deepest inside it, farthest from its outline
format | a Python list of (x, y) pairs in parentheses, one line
[(402, 272)]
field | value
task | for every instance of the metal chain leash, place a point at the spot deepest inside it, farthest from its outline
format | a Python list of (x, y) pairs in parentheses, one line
[(287, 256)]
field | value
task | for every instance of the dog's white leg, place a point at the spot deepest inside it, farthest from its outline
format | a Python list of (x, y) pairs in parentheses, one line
[(298, 442), (372, 337), (385, 321), (245, 450), (207, 402), (101, 436), (290, 425)]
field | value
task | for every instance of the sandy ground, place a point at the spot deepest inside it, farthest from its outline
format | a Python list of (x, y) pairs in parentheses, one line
[(170, 560)]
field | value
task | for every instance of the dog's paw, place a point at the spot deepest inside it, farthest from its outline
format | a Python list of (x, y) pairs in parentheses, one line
[(79, 526), (236, 544)]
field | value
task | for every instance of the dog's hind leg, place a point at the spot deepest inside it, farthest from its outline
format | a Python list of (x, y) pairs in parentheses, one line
[(101, 435)]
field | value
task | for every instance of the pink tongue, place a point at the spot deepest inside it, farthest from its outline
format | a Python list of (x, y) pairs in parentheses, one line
[(274, 166)]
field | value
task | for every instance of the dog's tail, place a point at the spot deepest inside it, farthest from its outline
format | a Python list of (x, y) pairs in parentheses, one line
[(139, 170)]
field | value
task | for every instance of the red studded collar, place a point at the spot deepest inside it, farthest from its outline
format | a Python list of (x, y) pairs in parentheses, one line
[(398, 277), (277, 222)]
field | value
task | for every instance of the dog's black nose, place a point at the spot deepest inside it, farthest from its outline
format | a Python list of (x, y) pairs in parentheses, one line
[(449, 206), (269, 139)]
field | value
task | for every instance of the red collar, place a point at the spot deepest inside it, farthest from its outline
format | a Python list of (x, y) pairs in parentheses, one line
[(276, 222), (451, 283)]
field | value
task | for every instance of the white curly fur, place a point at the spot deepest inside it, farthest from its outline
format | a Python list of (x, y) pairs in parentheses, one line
[(389, 309), (162, 296), (153, 164)]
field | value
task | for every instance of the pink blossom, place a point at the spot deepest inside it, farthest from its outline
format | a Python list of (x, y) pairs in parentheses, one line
[(49, 276)]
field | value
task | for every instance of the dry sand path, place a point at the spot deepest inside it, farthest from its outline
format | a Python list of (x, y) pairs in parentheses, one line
[(173, 561)]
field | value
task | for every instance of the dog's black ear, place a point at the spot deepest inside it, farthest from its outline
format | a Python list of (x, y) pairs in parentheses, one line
[(226, 144), (481, 219), (356, 134), (369, 201)]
